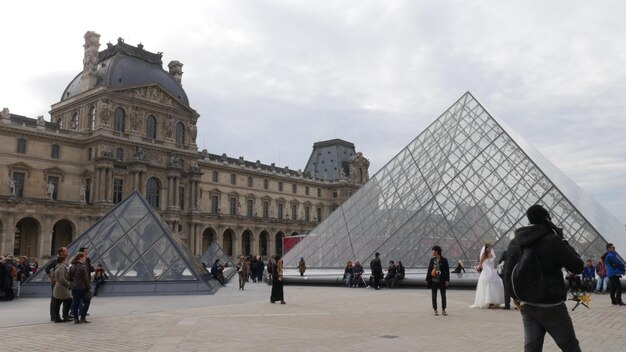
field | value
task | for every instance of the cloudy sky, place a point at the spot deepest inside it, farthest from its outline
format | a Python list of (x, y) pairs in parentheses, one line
[(270, 78)]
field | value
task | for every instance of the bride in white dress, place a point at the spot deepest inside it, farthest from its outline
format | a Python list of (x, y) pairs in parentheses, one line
[(490, 290)]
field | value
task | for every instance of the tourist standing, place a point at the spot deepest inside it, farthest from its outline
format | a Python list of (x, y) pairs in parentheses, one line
[(500, 270), (603, 281), (302, 266), (81, 289), (49, 270), (277, 282), (242, 270), (490, 290), (377, 271), (547, 311), (61, 292), (614, 271), (438, 278)]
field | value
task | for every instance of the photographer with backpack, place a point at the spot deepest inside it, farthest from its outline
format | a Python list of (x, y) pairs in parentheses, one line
[(534, 275)]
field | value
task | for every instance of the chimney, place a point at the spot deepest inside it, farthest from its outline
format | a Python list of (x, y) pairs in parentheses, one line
[(89, 78), (176, 70)]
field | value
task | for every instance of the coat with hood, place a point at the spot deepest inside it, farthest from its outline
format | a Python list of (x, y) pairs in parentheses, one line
[(554, 254)]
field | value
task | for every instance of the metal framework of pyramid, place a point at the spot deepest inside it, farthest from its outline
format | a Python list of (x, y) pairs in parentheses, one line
[(464, 181), (139, 253)]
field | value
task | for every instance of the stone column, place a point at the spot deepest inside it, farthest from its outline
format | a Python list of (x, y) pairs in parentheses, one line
[(271, 246), (9, 233), (175, 191), (237, 250), (45, 237), (255, 248)]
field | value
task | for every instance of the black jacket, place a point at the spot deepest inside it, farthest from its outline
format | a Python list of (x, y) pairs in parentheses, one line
[(554, 253), (443, 267)]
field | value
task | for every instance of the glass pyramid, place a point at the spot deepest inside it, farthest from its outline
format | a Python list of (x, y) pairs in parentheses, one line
[(464, 181), (139, 253), (215, 251)]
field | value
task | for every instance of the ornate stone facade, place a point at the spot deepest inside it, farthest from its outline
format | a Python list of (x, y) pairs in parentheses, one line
[(105, 141)]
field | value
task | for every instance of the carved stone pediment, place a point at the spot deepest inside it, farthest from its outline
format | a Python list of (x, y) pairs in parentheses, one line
[(54, 171), (155, 94), (20, 166)]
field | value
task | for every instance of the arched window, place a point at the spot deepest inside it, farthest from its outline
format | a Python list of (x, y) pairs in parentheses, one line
[(180, 133), (119, 154), (120, 119), (151, 127), (60, 122), (152, 192), (91, 119)]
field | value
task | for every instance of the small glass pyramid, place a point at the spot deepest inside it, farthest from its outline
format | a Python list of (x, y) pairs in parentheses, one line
[(134, 245), (464, 181)]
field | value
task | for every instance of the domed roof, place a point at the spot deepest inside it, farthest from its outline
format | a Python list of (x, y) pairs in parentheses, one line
[(124, 65)]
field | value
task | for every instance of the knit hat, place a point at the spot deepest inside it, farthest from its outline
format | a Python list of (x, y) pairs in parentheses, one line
[(537, 214)]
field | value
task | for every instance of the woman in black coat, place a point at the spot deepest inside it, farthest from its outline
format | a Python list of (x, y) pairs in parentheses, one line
[(437, 278), (277, 282)]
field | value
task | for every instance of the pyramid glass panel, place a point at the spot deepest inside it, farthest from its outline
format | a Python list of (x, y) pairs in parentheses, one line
[(138, 251), (467, 179)]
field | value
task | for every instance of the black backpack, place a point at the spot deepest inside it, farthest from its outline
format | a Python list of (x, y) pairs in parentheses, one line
[(526, 281)]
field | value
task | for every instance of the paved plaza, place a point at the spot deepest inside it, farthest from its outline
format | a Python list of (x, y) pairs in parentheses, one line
[(314, 319)]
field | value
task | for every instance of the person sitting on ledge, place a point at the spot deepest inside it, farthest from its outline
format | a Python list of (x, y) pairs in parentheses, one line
[(459, 267), (216, 273)]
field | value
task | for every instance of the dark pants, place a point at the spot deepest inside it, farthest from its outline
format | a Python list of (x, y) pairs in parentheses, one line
[(377, 278), (553, 320), (616, 289), (79, 300), (53, 312), (67, 304), (441, 287), (507, 296), (99, 282)]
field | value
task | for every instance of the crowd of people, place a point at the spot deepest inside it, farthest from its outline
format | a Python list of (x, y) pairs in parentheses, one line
[(13, 272)]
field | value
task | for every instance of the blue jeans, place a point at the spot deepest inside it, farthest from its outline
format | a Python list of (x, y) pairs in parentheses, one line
[(602, 282), (79, 299), (553, 320)]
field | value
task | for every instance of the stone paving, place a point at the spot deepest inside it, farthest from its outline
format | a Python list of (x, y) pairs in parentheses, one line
[(314, 319)]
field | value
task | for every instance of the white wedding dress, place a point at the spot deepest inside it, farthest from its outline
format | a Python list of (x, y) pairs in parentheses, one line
[(490, 289)]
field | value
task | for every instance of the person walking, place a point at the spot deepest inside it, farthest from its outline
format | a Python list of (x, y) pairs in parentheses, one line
[(438, 278), (543, 303), (614, 271), (277, 282), (377, 271)]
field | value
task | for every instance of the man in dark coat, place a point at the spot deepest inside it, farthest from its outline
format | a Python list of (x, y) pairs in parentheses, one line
[(507, 296), (377, 271), (438, 278), (548, 314)]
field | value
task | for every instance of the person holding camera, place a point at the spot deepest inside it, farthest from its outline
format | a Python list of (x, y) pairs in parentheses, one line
[(437, 278)]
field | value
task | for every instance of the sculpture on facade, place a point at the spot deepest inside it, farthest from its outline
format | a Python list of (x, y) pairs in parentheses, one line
[(83, 193), (105, 113), (134, 119), (12, 186), (169, 126), (50, 190), (193, 132), (140, 153)]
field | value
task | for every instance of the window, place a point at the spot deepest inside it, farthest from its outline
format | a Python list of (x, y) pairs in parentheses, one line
[(294, 188), (88, 190), (60, 123), (152, 192), (294, 212), (280, 186), (250, 207), (249, 181), (180, 133), (151, 127), (118, 189), (21, 146), (265, 184), (281, 207), (181, 198), (233, 205), (307, 213), (266, 209), (215, 204), (233, 179), (334, 194), (306, 190), (119, 154), (53, 185), (91, 118), (120, 120), (55, 151), (18, 178), (216, 176), (318, 215), (319, 192)]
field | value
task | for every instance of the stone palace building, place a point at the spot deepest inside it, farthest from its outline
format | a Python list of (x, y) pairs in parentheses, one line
[(125, 124)]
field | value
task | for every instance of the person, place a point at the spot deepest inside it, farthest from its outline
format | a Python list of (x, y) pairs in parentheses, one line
[(348, 274), (603, 281), (391, 273), (589, 276), (400, 272), (438, 278), (81, 289), (215, 272), (302, 266), (358, 274), (377, 271), (90, 268), (99, 278), (490, 290), (260, 267), (614, 271), (277, 282), (61, 291), (6, 281), (507, 296), (49, 270), (459, 267), (252, 273), (548, 312), (574, 282), (270, 271), (242, 270)]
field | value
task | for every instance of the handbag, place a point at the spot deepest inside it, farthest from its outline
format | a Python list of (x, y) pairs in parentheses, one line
[(433, 272)]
